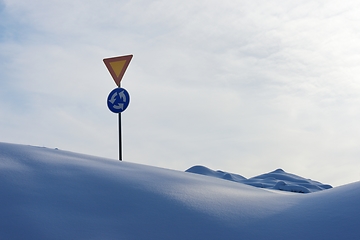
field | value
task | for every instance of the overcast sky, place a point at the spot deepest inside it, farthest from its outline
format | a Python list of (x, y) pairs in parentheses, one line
[(242, 86)]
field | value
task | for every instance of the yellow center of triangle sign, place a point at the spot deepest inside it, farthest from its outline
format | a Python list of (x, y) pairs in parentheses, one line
[(117, 67)]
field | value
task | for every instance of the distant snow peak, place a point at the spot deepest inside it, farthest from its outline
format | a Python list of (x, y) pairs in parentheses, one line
[(278, 180)]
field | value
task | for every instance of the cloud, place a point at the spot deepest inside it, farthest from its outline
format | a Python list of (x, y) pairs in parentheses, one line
[(241, 86)]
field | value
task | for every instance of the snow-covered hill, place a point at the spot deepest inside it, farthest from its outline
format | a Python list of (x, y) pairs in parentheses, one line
[(278, 179), (53, 194)]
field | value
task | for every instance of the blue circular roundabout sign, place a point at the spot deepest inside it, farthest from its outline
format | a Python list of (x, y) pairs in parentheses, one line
[(118, 100)]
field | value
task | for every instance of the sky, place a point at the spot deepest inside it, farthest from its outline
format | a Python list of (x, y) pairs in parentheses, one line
[(242, 86)]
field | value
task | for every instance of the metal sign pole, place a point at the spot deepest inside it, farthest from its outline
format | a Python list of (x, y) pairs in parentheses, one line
[(120, 138), (120, 142)]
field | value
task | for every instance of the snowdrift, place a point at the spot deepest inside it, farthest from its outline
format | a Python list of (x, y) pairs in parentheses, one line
[(278, 179), (53, 194)]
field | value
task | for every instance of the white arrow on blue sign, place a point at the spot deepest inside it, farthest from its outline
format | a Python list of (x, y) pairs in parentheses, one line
[(118, 100)]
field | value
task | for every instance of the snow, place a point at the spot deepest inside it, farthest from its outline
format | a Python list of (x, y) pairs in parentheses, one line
[(54, 194), (278, 179)]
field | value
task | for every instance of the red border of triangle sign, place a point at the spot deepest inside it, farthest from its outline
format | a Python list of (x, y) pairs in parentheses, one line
[(117, 67)]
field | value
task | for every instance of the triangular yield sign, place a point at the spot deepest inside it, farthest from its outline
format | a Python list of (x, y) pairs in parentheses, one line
[(117, 67)]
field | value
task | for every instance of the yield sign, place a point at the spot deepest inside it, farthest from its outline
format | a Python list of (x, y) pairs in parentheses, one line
[(117, 67)]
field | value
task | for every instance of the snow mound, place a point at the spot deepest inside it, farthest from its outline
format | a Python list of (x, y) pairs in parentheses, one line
[(278, 179), (218, 174), (54, 194)]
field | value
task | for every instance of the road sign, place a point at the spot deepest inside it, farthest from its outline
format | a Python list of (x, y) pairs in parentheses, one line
[(117, 67), (118, 100)]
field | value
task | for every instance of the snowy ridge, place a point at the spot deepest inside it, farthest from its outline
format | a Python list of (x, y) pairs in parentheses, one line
[(278, 179), (54, 194)]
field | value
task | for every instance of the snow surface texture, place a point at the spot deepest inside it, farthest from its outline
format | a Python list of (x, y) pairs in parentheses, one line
[(53, 194), (278, 179)]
